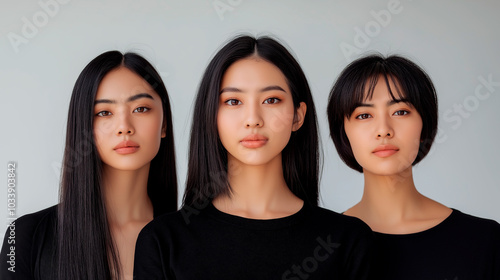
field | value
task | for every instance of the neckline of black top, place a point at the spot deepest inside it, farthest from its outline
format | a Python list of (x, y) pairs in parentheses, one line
[(443, 223), (257, 224)]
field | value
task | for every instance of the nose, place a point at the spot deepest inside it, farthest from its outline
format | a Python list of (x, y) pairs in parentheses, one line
[(125, 126), (254, 116), (384, 128)]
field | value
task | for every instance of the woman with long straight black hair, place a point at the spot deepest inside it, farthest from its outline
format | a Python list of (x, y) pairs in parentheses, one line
[(250, 207), (118, 173)]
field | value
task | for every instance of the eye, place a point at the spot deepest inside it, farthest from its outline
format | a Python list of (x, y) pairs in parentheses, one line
[(141, 110), (363, 116), (232, 102), (103, 114), (401, 113), (272, 100)]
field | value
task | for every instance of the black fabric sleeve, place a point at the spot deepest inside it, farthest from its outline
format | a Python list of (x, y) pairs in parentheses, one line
[(15, 259), (496, 251), (30, 240), (358, 262), (148, 259)]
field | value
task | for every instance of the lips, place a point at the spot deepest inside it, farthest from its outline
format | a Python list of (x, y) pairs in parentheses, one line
[(254, 141), (385, 150), (126, 147)]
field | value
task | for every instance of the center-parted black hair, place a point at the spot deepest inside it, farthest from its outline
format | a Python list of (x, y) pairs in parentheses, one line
[(356, 84), (85, 246), (207, 169)]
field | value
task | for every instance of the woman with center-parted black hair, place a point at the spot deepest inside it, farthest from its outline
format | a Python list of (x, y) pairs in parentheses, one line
[(250, 207), (118, 172), (383, 119)]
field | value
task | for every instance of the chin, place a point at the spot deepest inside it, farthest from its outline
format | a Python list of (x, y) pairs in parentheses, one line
[(254, 161), (126, 165), (393, 171)]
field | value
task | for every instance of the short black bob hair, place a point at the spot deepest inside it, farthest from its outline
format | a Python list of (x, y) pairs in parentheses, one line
[(356, 84), (207, 167)]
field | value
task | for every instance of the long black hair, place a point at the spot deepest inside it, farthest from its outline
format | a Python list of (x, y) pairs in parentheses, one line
[(207, 169), (85, 246)]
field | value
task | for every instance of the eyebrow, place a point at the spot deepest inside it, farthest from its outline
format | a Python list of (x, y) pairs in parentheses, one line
[(268, 88), (130, 99), (389, 103)]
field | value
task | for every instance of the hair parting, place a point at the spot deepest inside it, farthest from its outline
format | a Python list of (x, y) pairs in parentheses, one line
[(86, 249), (207, 167)]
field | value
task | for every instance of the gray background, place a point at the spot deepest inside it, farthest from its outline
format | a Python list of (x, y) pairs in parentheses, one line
[(456, 42)]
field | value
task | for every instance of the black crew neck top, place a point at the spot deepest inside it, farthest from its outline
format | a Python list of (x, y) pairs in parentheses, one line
[(461, 247), (206, 243), (29, 250)]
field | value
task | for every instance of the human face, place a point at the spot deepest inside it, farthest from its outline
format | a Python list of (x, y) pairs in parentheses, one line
[(128, 120), (256, 112), (384, 133)]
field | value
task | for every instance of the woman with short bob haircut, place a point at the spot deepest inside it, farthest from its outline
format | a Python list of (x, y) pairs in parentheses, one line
[(383, 117), (250, 207), (118, 172)]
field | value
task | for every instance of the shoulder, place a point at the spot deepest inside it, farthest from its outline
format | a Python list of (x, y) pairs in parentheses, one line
[(477, 224), (162, 233), (339, 220), (347, 229), (30, 227), (27, 225), (164, 223), (37, 218), (24, 241)]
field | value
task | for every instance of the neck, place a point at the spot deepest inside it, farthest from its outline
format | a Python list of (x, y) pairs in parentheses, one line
[(390, 198), (125, 194), (392, 204), (258, 191)]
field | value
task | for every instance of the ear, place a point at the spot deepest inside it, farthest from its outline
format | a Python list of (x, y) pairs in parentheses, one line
[(164, 129), (300, 114)]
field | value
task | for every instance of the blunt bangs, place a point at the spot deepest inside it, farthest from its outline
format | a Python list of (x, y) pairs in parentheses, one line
[(356, 84)]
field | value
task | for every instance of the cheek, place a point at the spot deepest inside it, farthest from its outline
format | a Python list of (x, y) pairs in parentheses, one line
[(103, 127), (99, 143), (99, 134), (356, 147), (415, 141), (355, 140), (151, 126), (223, 124), (155, 127), (415, 133), (281, 120)]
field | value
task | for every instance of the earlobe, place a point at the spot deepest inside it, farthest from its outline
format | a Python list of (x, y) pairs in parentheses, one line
[(164, 130), (300, 114)]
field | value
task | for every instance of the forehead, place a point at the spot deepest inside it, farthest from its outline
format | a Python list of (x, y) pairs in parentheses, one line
[(253, 72), (121, 83)]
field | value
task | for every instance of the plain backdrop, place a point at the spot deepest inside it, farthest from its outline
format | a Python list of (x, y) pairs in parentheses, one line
[(45, 44)]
